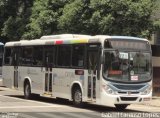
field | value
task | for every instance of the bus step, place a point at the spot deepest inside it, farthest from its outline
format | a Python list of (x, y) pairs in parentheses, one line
[(91, 100), (47, 95), (14, 88)]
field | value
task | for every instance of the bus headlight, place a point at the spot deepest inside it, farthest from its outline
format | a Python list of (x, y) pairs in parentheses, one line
[(109, 90), (147, 91)]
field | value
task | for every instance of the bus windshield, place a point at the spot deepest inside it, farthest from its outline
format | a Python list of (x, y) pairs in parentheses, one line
[(127, 66)]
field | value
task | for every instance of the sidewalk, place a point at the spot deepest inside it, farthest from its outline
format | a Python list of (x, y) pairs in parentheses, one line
[(155, 102)]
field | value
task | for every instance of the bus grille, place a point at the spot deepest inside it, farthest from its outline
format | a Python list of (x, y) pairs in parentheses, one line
[(128, 87), (128, 98), (124, 92)]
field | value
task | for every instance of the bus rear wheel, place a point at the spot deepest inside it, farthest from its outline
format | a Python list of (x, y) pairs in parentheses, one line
[(27, 91), (77, 97), (121, 107)]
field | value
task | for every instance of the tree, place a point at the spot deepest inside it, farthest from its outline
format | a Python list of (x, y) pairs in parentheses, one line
[(75, 17), (156, 16), (15, 16), (114, 17), (43, 20), (29, 19)]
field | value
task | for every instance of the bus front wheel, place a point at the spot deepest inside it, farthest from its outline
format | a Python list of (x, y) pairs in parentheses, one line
[(121, 107), (27, 91), (77, 97)]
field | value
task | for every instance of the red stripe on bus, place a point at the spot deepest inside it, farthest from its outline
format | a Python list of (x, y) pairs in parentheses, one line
[(59, 42)]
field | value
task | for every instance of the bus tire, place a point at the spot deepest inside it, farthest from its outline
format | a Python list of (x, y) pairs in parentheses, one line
[(27, 91), (121, 107), (77, 97)]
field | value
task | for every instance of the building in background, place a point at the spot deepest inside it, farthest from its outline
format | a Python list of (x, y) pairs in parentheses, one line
[(156, 53)]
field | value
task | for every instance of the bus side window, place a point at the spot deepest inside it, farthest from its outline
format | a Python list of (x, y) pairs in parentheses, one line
[(26, 57), (49, 56), (78, 56), (8, 56), (38, 56), (64, 56)]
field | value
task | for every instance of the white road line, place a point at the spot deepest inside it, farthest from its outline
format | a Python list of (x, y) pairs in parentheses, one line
[(49, 104), (76, 115), (26, 116), (15, 107), (50, 115), (98, 114)]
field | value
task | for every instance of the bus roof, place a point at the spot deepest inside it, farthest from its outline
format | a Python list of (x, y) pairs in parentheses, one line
[(68, 39), (127, 37), (48, 42), (63, 36), (121, 37)]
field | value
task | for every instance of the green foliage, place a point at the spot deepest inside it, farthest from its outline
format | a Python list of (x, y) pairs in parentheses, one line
[(115, 17), (13, 28), (75, 17), (156, 16), (15, 16), (28, 19), (43, 20)]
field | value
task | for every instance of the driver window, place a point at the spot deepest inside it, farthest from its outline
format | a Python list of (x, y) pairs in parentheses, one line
[(112, 63)]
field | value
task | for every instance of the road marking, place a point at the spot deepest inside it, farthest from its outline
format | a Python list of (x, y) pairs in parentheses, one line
[(51, 115), (49, 104), (26, 116), (11, 107), (76, 115)]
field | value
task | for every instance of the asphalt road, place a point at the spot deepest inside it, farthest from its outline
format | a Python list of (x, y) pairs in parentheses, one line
[(13, 104)]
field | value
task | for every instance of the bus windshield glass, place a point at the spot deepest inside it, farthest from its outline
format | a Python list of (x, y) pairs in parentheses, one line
[(127, 66)]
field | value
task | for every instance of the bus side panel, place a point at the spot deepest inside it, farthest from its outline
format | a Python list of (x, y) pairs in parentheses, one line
[(63, 79), (8, 76), (61, 82), (84, 81), (35, 75)]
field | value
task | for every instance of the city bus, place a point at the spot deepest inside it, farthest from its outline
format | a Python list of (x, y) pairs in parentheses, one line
[(1, 57), (102, 70)]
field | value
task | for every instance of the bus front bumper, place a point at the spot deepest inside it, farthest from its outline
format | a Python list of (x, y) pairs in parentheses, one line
[(111, 100)]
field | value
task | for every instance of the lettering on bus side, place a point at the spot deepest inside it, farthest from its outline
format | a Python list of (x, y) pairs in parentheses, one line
[(32, 72), (70, 74)]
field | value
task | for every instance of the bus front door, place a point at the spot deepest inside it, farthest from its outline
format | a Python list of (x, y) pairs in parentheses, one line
[(15, 57), (48, 83), (93, 81)]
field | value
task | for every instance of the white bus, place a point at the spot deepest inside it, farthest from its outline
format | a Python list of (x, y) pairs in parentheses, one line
[(104, 70), (1, 57)]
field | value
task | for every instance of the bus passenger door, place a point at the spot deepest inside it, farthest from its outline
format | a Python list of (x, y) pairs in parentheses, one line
[(48, 83), (93, 81), (15, 57)]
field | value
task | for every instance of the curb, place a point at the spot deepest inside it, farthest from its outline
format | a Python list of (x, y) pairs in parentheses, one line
[(155, 97)]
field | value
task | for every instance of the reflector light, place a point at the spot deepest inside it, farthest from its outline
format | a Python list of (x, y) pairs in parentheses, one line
[(79, 72)]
